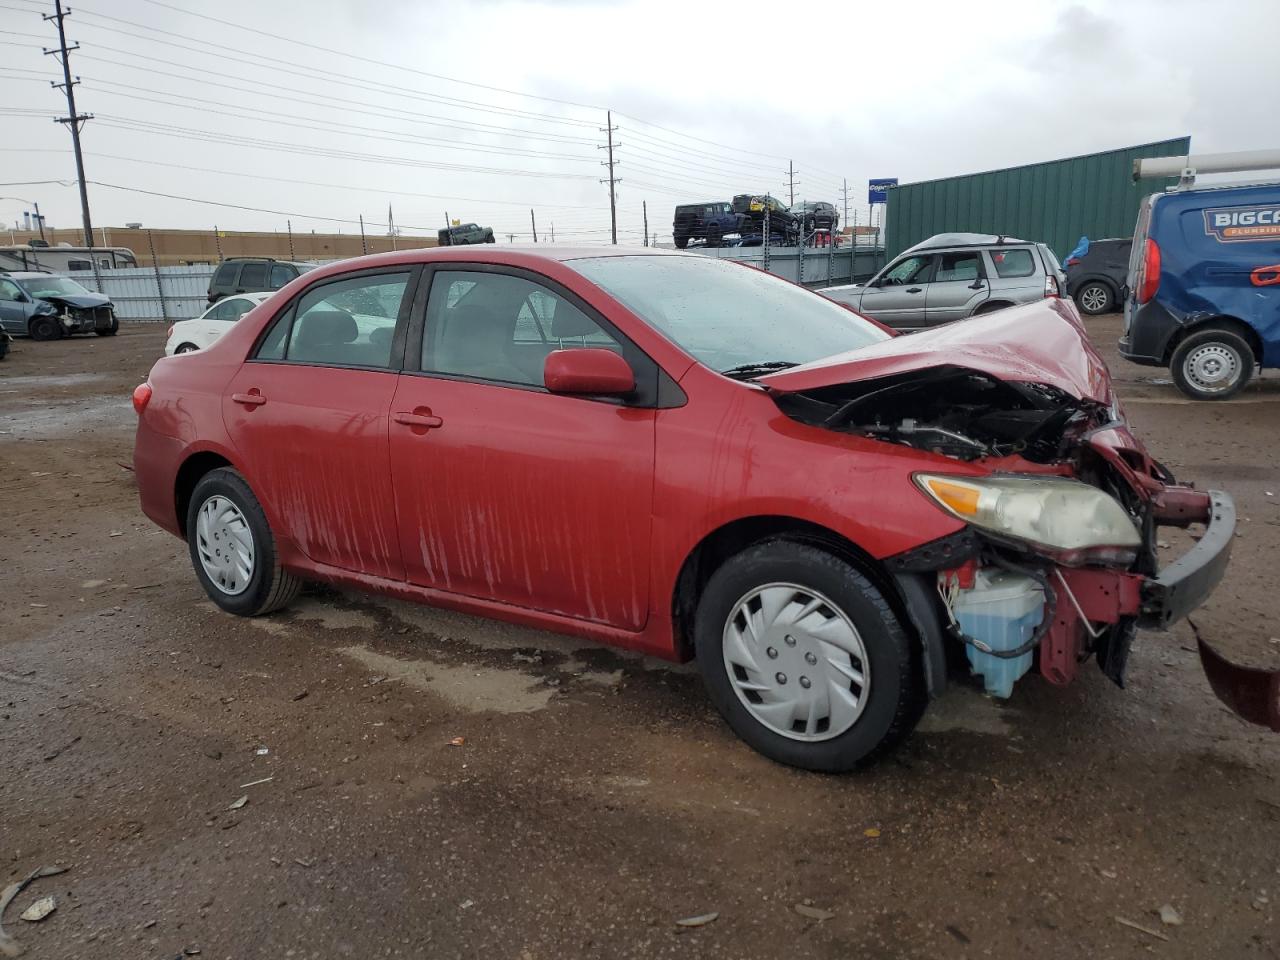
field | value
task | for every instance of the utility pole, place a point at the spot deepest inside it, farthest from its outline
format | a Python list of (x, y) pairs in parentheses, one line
[(533, 223), (391, 226), (289, 225), (791, 181), (613, 200), (217, 241), (846, 202), (645, 205), (364, 246), (73, 120), (553, 231)]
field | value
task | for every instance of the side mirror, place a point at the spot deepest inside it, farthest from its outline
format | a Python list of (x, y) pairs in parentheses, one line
[(588, 370)]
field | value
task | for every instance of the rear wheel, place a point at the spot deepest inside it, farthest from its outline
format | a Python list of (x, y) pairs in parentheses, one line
[(804, 658), (232, 548), (1212, 364), (45, 328), (1094, 298), (682, 242), (187, 348)]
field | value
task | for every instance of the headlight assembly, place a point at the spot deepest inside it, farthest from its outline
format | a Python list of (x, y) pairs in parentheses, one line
[(1066, 519)]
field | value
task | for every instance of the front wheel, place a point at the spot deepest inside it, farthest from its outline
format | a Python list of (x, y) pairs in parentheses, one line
[(112, 330), (805, 659), (232, 548), (45, 328), (187, 348), (1212, 364)]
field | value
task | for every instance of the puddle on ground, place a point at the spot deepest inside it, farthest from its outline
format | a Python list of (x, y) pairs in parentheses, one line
[(466, 687), (53, 420), (24, 383)]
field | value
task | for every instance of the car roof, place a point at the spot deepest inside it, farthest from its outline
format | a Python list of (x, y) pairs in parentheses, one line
[(965, 240), (27, 274)]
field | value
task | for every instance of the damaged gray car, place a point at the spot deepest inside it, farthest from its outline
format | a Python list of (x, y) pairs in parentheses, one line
[(47, 307)]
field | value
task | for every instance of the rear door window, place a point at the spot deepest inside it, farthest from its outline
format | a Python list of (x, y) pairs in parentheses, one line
[(1013, 263), (226, 275), (966, 265), (346, 323), (253, 275), (280, 275)]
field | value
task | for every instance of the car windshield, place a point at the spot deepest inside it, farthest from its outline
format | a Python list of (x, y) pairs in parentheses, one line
[(53, 287), (729, 316)]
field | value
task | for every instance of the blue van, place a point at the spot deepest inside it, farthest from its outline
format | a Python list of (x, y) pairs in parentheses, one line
[(1203, 290)]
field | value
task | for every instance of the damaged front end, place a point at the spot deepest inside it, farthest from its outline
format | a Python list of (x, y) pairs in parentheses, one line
[(1061, 503)]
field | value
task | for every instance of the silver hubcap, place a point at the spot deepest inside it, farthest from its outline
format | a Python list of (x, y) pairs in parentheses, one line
[(796, 662), (1212, 368), (1093, 298), (225, 545)]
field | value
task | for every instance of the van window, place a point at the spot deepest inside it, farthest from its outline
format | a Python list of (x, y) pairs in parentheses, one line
[(1013, 263), (80, 264)]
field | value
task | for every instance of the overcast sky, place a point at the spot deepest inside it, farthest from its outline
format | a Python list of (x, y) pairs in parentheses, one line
[(367, 109)]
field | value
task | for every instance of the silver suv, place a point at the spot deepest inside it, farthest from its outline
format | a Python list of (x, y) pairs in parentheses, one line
[(953, 276)]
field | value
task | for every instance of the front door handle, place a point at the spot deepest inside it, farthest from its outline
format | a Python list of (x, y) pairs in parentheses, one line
[(913, 289), (251, 399), (421, 418)]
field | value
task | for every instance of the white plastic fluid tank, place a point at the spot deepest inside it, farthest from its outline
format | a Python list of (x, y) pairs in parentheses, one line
[(1002, 609)]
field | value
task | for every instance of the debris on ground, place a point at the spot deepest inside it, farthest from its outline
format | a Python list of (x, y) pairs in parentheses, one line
[(871, 832), (10, 947), (1169, 916), (301, 695), (308, 864), (254, 783), (39, 910), (813, 913), (699, 921), (60, 750), (1139, 927), (457, 741), (237, 804), (261, 751)]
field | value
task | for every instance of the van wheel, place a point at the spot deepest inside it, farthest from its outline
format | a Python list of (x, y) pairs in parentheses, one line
[(804, 658), (232, 548), (1212, 364), (1095, 298)]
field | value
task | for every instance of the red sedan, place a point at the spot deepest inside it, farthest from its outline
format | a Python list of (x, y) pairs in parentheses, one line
[(685, 457)]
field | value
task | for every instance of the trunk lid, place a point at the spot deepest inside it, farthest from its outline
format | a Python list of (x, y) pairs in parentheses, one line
[(1040, 342)]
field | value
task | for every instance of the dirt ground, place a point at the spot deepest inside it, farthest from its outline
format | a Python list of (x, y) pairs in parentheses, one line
[(592, 798)]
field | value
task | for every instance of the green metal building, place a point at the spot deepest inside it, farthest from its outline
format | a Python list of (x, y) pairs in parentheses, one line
[(1056, 202)]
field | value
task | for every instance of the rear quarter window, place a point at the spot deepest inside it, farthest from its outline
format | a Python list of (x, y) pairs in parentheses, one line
[(1013, 263), (226, 275)]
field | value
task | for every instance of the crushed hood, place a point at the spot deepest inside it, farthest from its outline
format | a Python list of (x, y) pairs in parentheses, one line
[(81, 300), (1041, 342)]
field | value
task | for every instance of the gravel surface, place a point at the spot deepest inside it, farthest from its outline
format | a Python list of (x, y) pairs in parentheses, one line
[(422, 783)]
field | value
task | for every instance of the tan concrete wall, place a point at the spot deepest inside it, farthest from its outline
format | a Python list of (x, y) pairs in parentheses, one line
[(175, 247)]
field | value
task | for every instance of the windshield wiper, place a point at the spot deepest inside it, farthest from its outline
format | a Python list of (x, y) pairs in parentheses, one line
[(746, 371)]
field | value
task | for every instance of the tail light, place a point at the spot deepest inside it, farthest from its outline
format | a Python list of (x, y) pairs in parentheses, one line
[(141, 397), (1072, 261), (169, 333), (1149, 282), (1051, 286)]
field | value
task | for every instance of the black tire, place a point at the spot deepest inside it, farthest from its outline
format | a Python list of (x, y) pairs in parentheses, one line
[(714, 239), (897, 696), (681, 242), (45, 328), (112, 330), (1095, 298), (1202, 354), (270, 586), (186, 348)]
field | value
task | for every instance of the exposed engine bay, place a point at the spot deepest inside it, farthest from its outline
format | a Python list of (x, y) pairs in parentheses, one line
[(953, 411)]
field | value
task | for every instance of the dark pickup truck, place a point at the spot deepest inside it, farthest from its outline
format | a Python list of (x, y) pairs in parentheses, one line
[(464, 234)]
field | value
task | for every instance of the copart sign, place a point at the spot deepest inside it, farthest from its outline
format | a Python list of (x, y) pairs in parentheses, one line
[(1243, 223)]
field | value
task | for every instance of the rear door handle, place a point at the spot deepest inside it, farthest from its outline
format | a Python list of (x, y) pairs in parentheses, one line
[(913, 289), (251, 399), (422, 417)]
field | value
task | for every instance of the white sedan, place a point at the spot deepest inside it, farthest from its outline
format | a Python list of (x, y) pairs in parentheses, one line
[(188, 335)]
